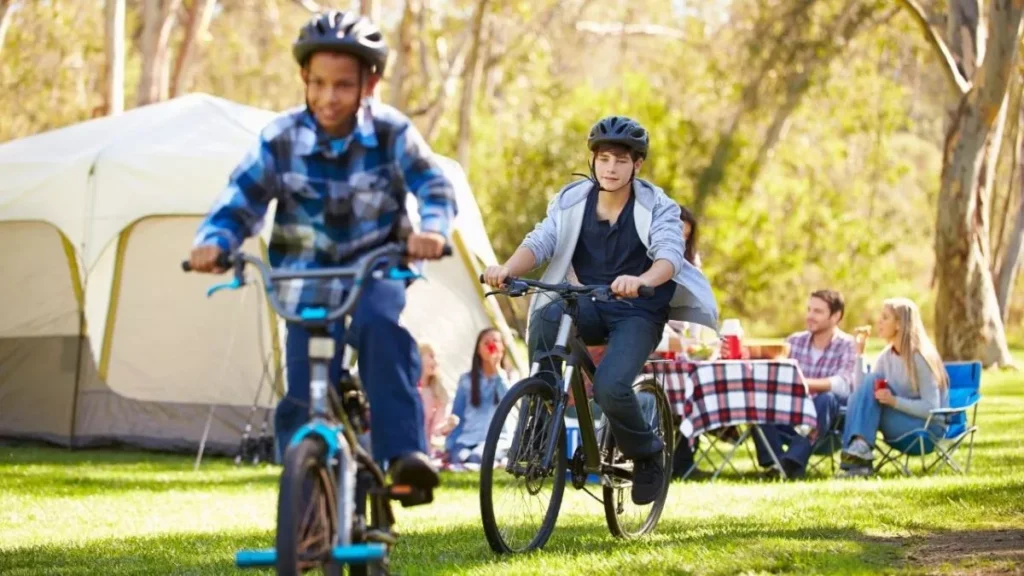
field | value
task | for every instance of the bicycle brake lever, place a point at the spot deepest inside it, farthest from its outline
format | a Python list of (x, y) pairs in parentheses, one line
[(234, 284)]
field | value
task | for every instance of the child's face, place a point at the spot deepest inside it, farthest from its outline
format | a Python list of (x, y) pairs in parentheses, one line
[(614, 169), (491, 347), (333, 91), (429, 363)]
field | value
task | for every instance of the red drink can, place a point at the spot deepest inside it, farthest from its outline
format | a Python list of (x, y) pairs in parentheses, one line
[(881, 384)]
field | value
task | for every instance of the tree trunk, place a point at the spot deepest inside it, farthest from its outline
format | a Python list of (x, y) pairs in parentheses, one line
[(113, 93), (158, 23), (1010, 266), (403, 57), (1001, 214), (6, 14), (200, 12), (468, 85), (370, 9), (968, 322)]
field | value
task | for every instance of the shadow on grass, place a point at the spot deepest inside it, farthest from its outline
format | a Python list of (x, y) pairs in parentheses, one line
[(681, 546), (573, 550)]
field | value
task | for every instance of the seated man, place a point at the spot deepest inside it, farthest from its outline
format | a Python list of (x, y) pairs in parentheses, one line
[(827, 357)]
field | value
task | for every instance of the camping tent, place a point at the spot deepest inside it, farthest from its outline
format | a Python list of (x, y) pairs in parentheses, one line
[(104, 340)]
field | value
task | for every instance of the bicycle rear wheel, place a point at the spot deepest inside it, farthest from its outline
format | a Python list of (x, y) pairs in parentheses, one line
[(626, 519), (519, 498), (307, 511)]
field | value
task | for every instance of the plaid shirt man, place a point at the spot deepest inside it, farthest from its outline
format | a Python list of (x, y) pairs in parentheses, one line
[(336, 198), (837, 362)]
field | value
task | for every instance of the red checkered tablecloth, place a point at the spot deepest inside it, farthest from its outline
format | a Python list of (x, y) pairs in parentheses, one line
[(710, 395)]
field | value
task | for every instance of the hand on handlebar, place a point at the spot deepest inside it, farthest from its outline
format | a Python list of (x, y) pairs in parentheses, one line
[(494, 276), (207, 258), (627, 286), (425, 246)]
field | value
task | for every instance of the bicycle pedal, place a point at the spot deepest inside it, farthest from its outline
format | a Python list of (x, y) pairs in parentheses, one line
[(410, 495)]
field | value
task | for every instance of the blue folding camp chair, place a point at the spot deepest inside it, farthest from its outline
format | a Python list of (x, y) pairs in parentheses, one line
[(964, 395)]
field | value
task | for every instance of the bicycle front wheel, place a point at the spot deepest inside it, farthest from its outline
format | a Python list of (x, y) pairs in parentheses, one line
[(307, 511), (519, 497), (626, 519)]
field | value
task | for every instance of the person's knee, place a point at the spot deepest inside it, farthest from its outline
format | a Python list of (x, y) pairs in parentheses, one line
[(612, 396)]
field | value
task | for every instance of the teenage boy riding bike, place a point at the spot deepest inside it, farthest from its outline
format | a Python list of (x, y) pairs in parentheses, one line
[(340, 168), (617, 230)]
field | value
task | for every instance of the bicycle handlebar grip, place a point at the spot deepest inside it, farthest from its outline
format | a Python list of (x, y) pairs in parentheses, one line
[(646, 292), (447, 250), (223, 261)]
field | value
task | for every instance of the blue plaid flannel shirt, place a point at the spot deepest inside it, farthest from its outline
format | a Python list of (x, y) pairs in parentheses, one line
[(336, 198)]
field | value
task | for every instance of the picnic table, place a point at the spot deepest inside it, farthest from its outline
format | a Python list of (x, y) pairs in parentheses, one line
[(745, 394)]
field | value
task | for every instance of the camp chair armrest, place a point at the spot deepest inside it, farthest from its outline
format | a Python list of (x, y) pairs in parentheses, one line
[(947, 411)]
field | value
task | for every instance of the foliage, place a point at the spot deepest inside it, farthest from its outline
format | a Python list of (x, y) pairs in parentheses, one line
[(846, 198)]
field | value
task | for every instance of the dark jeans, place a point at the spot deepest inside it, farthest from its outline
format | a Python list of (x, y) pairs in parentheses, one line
[(799, 451), (630, 340), (389, 367)]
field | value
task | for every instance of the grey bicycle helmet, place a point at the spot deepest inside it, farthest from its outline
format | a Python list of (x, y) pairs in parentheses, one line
[(619, 130), (345, 33)]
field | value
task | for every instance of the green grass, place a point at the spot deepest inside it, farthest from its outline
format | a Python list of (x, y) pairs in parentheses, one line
[(116, 512)]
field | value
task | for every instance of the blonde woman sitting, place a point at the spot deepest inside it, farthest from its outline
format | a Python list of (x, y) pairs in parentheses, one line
[(916, 384), (437, 418)]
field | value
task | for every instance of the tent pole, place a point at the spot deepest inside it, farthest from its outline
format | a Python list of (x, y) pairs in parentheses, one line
[(206, 434), (80, 340), (223, 375)]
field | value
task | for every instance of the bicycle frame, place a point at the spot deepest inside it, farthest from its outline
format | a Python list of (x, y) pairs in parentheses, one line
[(329, 420), (570, 348)]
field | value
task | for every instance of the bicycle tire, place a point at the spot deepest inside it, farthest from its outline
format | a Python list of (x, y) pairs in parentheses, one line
[(611, 494), (299, 461), (529, 387)]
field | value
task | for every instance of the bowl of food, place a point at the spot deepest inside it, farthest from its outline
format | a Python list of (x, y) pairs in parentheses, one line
[(702, 351), (768, 351)]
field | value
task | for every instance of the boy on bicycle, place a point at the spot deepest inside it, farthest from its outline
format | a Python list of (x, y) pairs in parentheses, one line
[(340, 168), (617, 230)]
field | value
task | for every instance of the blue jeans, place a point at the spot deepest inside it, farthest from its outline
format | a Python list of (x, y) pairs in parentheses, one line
[(865, 417), (389, 367), (826, 404), (630, 339)]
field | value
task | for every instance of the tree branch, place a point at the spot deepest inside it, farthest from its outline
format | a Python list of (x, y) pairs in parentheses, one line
[(622, 29), (309, 5), (959, 83)]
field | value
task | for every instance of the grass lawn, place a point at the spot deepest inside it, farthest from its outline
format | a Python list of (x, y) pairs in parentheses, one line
[(116, 512)]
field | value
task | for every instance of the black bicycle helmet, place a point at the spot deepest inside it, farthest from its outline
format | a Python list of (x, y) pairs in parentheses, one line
[(619, 130), (345, 33)]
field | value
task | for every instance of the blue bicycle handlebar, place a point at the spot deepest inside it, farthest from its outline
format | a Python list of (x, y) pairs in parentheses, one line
[(388, 252)]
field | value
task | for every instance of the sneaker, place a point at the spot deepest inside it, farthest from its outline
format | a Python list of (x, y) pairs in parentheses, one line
[(857, 471), (415, 470), (858, 450), (648, 480)]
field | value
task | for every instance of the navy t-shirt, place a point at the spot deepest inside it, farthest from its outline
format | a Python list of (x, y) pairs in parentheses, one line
[(607, 250)]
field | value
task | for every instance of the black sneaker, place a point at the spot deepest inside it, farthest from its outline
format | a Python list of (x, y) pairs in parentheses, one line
[(648, 480), (415, 471)]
